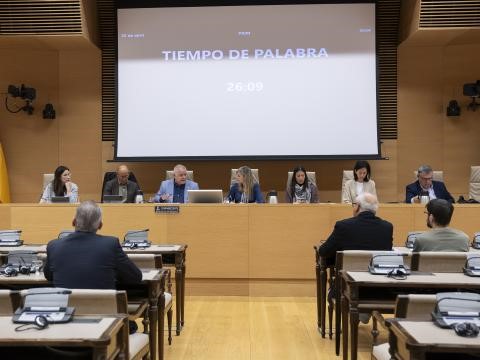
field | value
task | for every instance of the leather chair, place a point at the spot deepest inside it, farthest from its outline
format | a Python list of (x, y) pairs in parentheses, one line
[(412, 307), (169, 175), (347, 175), (110, 175), (47, 178), (474, 185)]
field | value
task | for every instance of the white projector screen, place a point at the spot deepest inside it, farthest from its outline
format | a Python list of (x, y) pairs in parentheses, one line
[(247, 82)]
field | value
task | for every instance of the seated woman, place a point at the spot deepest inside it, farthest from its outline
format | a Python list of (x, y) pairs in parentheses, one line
[(246, 189), (360, 184), (60, 186), (301, 189)]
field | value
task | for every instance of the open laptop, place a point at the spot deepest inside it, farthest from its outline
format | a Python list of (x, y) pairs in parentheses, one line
[(205, 196), (60, 199), (113, 199)]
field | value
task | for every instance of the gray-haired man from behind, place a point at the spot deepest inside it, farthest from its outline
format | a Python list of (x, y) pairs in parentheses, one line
[(86, 260)]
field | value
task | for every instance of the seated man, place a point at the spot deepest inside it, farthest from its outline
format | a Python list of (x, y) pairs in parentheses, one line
[(364, 231), (441, 237), (122, 186), (425, 183), (85, 260), (176, 190)]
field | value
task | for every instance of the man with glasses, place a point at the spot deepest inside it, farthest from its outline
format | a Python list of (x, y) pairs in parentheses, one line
[(426, 186), (442, 237)]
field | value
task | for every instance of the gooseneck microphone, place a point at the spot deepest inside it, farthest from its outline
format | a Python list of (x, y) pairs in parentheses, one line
[(56, 292)]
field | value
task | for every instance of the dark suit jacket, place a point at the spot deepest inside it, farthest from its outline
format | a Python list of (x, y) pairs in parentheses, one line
[(111, 188), (362, 232), (85, 260), (441, 192)]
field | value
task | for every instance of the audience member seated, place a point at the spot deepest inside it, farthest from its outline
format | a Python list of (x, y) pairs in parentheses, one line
[(363, 231), (122, 186), (441, 237), (85, 260), (246, 189), (360, 184), (425, 184), (61, 185), (176, 190), (301, 189)]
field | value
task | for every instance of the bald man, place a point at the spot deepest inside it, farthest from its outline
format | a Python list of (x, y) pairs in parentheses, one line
[(122, 186), (363, 231)]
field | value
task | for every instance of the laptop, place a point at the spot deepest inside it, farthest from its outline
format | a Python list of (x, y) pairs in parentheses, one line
[(205, 196), (60, 199), (113, 199)]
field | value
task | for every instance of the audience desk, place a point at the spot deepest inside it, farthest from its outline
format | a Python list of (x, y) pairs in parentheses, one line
[(421, 340), (107, 337), (362, 287), (154, 281), (233, 249)]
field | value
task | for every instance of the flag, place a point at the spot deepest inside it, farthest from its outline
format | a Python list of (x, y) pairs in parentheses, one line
[(4, 187)]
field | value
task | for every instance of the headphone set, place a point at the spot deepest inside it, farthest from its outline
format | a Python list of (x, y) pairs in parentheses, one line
[(40, 322), (398, 274), (466, 329), (11, 270)]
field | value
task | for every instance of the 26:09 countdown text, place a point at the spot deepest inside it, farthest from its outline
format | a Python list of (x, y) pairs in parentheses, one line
[(244, 86)]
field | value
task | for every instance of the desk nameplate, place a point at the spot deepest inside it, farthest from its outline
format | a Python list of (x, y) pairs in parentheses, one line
[(171, 209)]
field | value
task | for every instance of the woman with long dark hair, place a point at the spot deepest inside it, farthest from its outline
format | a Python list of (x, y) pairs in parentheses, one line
[(246, 189), (301, 189), (361, 183), (61, 185)]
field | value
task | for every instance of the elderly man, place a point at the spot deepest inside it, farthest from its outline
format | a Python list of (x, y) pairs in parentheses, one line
[(176, 190), (85, 260), (122, 186), (441, 237), (363, 231), (425, 184)]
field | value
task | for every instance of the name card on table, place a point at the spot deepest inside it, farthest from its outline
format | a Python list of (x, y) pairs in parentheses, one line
[(172, 209)]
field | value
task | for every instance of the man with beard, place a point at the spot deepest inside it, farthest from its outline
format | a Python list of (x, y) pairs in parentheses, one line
[(442, 237)]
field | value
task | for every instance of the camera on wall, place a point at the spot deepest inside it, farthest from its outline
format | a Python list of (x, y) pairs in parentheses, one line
[(472, 90), (25, 93)]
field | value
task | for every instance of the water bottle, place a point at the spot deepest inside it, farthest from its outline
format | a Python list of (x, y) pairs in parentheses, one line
[(424, 197), (272, 197), (139, 197)]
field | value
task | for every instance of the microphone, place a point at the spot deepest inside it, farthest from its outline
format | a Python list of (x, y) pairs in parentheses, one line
[(473, 267), (134, 232), (59, 292)]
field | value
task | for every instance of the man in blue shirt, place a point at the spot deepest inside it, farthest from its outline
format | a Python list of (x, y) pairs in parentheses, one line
[(176, 190)]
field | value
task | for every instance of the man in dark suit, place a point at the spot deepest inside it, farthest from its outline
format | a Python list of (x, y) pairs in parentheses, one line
[(85, 260), (122, 186), (425, 184), (363, 231)]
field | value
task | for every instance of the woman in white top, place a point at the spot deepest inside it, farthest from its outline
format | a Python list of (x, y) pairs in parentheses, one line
[(61, 185), (360, 184)]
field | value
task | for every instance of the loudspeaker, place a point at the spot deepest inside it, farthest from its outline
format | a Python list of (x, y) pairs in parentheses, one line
[(470, 89)]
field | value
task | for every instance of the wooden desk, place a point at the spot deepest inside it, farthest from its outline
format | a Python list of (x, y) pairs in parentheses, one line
[(171, 255), (233, 249), (106, 336), (153, 279), (355, 284), (417, 339)]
